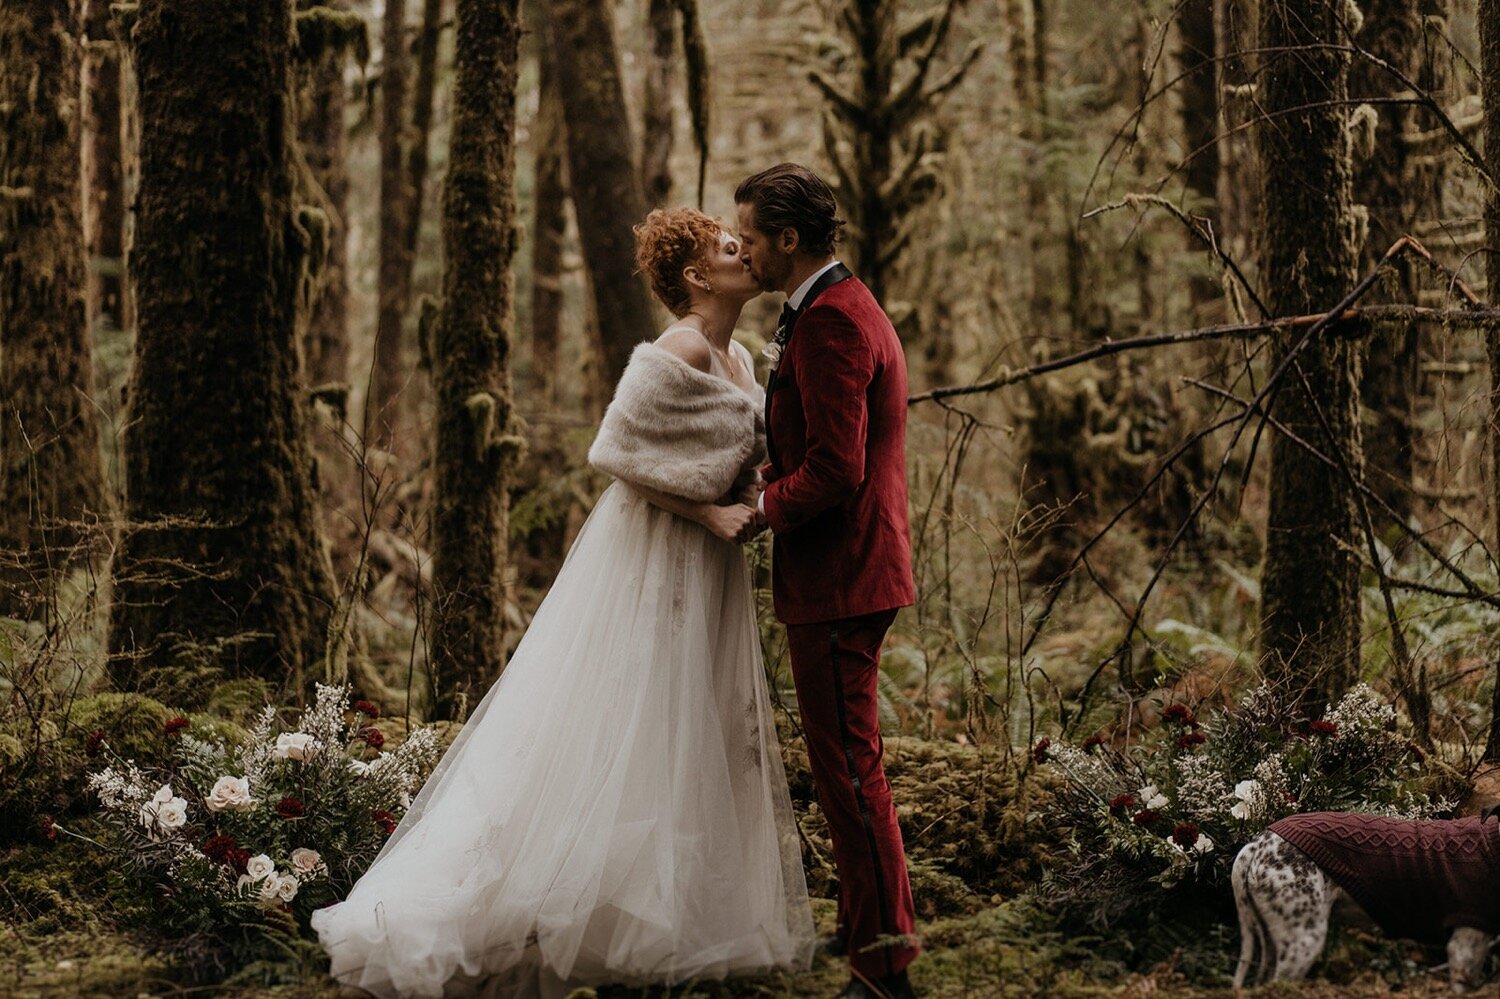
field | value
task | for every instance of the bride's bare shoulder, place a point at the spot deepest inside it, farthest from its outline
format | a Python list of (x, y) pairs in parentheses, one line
[(686, 343)]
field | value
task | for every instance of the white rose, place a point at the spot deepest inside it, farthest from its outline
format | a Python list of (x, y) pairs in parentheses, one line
[(172, 815), (163, 795), (305, 861), (286, 887), (360, 767), (295, 746), (270, 889), (259, 867), (229, 794), (1204, 844)]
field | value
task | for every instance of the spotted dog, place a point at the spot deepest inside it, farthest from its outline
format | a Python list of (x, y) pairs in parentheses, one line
[(1421, 880)]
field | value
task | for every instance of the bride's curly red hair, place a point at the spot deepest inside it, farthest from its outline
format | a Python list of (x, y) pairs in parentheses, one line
[(668, 241)]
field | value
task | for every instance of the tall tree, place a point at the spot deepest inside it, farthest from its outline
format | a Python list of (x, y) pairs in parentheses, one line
[(222, 566), (656, 111), (1200, 125), (1310, 606), (327, 31), (602, 174), (1392, 33), (104, 167), (388, 374), (549, 224), (421, 131), (1489, 54), (470, 360), (51, 467), (879, 110)]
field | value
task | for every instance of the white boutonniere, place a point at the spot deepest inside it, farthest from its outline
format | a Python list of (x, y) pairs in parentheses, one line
[(772, 352)]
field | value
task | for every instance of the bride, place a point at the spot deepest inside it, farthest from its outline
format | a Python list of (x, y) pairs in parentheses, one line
[(615, 809)]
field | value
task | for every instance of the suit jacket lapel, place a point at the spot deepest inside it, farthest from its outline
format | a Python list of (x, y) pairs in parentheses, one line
[(829, 278)]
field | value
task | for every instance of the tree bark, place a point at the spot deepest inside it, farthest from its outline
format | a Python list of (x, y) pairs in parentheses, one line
[(602, 174), (389, 372), (656, 116), (421, 130), (322, 136), (475, 447), (51, 465), (549, 225), (1310, 604), (1489, 54), (221, 571), (1200, 130), (103, 168), (1392, 32)]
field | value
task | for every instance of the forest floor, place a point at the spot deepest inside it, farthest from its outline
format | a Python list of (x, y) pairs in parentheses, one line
[(992, 953)]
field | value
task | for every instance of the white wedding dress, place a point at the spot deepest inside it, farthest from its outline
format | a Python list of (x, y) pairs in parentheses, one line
[(615, 809)]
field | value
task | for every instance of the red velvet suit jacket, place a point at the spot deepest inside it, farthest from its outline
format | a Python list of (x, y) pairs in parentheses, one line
[(836, 498)]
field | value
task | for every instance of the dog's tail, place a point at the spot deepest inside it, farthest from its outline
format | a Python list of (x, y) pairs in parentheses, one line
[(1252, 926)]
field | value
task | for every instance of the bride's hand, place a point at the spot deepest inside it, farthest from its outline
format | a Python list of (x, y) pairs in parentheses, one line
[(729, 523)]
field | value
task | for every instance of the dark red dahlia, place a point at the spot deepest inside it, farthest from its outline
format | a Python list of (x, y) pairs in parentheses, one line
[(1185, 834), (1039, 751), (238, 860), (1119, 803), (175, 725), (290, 808), (384, 820), (1189, 739), (1092, 743), (1324, 728), (94, 744), (220, 849), (369, 709), (1145, 817), (373, 737), (1179, 714), (48, 829)]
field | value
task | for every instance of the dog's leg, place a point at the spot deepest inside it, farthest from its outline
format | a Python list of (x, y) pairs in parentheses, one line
[(1467, 950), (1292, 899), (1252, 931)]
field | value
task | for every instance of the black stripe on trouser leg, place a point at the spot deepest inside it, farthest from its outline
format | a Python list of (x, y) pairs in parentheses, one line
[(886, 923)]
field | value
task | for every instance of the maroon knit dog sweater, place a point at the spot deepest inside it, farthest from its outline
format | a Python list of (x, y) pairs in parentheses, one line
[(1418, 879)]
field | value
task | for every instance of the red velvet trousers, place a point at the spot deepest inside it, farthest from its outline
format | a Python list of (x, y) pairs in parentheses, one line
[(834, 666)]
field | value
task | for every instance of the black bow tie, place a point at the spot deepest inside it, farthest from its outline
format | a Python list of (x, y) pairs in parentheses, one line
[(784, 324)]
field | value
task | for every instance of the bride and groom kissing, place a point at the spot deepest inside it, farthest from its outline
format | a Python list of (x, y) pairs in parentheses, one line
[(615, 809)]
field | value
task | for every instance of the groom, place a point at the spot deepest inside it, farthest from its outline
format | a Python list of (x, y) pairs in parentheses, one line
[(835, 500)]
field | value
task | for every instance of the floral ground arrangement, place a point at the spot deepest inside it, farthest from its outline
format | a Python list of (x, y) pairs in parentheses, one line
[(195, 847)]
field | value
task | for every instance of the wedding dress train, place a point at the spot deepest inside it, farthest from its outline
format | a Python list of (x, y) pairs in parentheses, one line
[(615, 809)]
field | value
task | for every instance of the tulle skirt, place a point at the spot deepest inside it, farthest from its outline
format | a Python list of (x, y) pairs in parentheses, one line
[(614, 810)]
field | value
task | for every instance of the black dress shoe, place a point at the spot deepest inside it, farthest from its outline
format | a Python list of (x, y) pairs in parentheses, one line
[(897, 986), (833, 945)]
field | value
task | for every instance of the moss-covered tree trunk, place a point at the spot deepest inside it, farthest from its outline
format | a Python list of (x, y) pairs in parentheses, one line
[(470, 357), (656, 110), (389, 373), (603, 178), (51, 465), (1200, 129), (222, 571), (104, 167), (549, 225), (1489, 54), (1393, 32), (324, 143), (1310, 606), (421, 130)]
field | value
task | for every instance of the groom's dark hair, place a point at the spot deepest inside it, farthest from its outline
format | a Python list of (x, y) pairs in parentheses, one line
[(790, 196)]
